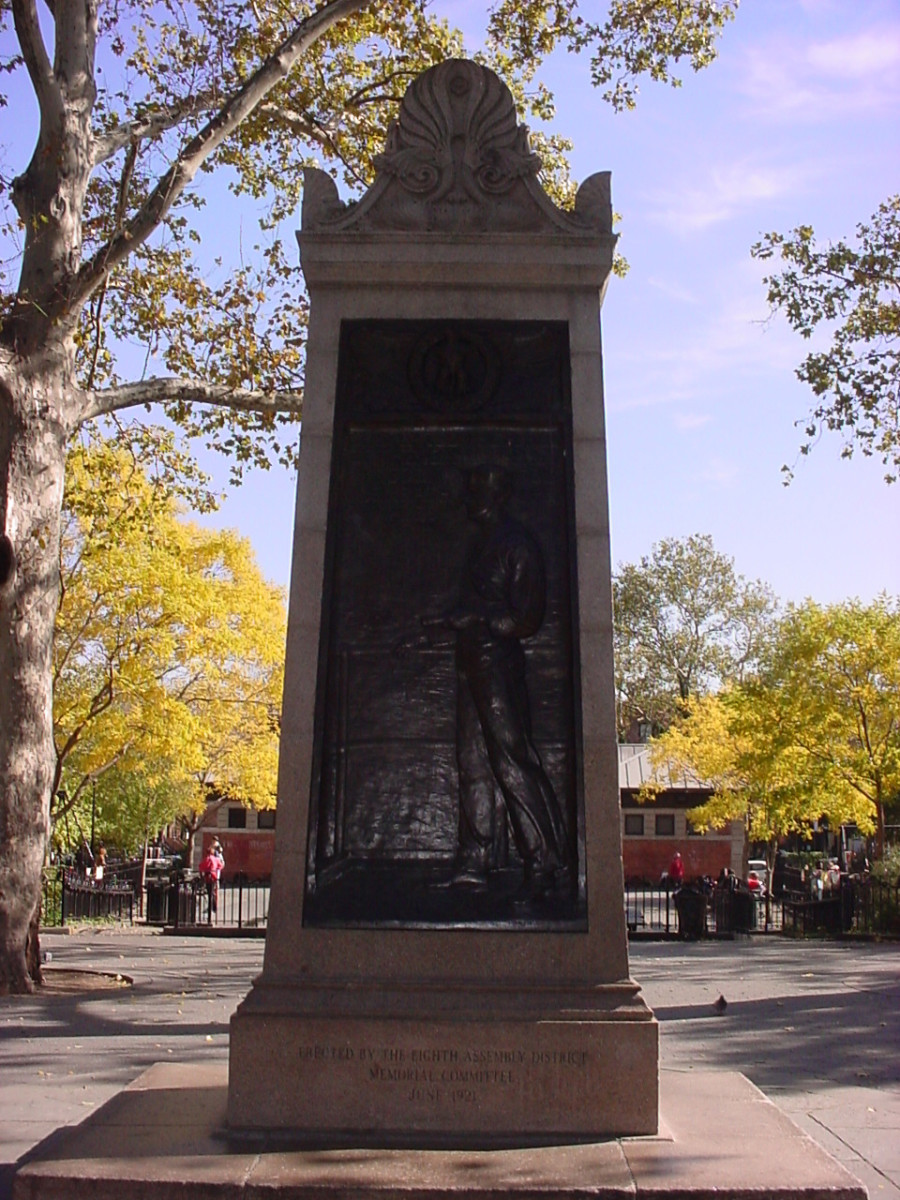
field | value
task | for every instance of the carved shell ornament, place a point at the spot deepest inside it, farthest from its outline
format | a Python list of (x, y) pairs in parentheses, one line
[(456, 160), (457, 136)]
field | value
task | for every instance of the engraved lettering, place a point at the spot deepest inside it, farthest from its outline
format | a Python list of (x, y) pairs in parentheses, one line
[(463, 1075), (380, 1074), (324, 1053), (434, 1056), (559, 1058)]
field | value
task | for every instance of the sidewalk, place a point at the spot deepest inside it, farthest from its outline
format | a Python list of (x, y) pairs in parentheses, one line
[(815, 1025)]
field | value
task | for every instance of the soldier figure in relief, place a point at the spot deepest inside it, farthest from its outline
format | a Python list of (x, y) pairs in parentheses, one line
[(502, 599)]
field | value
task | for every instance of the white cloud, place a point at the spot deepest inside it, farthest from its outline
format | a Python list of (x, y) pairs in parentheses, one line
[(689, 420), (819, 81), (720, 471), (672, 290), (724, 192), (857, 57), (703, 365)]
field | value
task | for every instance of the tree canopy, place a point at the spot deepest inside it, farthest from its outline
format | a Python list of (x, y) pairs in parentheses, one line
[(685, 623), (853, 293), (198, 88), (813, 732), (836, 668), (168, 653)]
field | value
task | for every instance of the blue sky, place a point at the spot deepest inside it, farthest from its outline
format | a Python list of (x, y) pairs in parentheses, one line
[(796, 122)]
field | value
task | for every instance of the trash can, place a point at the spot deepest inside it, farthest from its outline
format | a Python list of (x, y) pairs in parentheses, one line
[(157, 900), (183, 898), (174, 901), (690, 904), (743, 910), (724, 897)]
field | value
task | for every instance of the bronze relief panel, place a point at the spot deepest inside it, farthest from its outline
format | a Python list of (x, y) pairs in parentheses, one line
[(447, 785)]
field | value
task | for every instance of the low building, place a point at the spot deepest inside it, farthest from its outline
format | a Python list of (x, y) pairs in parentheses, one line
[(247, 837), (653, 831)]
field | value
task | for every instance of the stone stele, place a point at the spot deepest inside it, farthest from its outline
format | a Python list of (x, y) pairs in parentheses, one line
[(454, 327)]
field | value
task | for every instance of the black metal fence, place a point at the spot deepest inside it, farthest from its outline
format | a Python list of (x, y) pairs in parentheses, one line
[(188, 902), (695, 911), (855, 906), (51, 896), (68, 895)]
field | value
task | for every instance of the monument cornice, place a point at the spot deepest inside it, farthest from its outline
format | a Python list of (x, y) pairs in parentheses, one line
[(502, 260)]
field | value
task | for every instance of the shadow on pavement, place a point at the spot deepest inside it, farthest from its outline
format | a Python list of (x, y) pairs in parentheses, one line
[(839, 1038)]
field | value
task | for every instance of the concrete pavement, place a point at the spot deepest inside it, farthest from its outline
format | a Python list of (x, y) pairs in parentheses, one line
[(815, 1025)]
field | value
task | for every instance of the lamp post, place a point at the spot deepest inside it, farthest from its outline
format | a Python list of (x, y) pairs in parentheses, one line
[(93, 812)]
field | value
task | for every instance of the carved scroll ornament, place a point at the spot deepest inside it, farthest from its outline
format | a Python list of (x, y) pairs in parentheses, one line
[(457, 160)]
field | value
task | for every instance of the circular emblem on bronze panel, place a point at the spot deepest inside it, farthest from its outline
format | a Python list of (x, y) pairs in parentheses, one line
[(453, 371)]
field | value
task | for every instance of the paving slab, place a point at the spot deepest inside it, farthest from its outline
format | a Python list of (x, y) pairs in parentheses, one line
[(164, 1136)]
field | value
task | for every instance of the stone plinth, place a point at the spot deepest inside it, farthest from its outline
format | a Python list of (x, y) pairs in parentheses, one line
[(164, 1136), (477, 1066)]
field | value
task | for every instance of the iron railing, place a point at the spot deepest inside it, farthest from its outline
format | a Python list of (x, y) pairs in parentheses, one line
[(696, 911), (51, 896), (67, 895), (237, 904), (858, 906), (855, 906)]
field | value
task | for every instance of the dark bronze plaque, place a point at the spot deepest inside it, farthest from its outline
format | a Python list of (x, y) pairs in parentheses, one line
[(446, 785)]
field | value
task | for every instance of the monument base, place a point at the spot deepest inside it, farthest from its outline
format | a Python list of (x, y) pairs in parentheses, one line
[(165, 1137), (466, 1067)]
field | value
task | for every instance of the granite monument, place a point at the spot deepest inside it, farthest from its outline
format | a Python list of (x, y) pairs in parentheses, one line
[(446, 958)]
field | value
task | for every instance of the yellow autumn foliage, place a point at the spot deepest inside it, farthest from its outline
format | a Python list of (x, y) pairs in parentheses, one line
[(169, 644), (815, 733)]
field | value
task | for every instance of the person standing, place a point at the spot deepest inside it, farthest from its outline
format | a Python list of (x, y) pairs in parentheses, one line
[(211, 869), (676, 870)]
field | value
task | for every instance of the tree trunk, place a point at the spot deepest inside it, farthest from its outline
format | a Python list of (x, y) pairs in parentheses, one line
[(33, 435), (189, 847)]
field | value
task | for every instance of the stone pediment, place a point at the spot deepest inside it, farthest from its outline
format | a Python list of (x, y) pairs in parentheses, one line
[(456, 161)]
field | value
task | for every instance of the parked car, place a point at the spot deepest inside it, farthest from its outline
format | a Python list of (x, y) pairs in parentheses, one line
[(160, 867), (762, 871)]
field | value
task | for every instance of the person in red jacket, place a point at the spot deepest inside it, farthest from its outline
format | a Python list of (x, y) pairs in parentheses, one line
[(211, 868), (676, 870)]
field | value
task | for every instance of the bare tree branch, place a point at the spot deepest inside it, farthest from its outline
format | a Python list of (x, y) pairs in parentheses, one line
[(75, 48), (34, 52), (155, 391), (107, 145), (205, 143), (296, 122), (97, 303), (308, 128)]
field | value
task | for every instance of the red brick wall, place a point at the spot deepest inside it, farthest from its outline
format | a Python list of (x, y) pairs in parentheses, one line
[(648, 858), (247, 852)]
